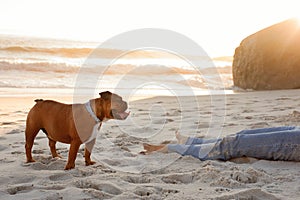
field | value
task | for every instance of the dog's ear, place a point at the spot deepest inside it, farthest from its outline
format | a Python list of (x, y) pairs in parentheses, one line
[(105, 95)]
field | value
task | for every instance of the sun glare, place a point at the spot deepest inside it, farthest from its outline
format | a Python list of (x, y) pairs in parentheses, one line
[(217, 29), (298, 20)]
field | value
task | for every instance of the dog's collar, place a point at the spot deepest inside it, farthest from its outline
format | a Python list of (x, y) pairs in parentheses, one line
[(91, 112)]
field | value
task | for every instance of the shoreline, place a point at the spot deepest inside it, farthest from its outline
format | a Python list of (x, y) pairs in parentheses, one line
[(147, 93)]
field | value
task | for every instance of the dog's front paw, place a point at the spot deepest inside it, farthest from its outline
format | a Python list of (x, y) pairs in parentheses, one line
[(69, 166), (30, 160), (87, 163)]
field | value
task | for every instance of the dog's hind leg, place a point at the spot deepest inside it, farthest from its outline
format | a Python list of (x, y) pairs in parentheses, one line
[(52, 146), (30, 133)]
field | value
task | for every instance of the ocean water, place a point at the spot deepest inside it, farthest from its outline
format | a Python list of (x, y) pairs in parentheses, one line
[(32, 66)]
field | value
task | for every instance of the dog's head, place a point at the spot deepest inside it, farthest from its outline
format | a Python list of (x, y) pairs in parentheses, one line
[(111, 106)]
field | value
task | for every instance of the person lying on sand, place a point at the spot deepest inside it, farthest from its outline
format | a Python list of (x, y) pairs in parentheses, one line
[(279, 143)]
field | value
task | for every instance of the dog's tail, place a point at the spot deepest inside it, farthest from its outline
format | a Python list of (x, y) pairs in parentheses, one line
[(38, 100)]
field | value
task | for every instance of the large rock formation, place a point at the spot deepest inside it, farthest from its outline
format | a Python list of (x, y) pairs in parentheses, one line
[(269, 59)]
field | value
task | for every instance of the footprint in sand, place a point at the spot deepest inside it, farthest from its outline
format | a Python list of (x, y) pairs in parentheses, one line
[(60, 177), (21, 178), (136, 179), (12, 190), (84, 172), (97, 194), (248, 194), (52, 187), (145, 191), (49, 163), (153, 192), (98, 188), (179, 178), (238, 177)]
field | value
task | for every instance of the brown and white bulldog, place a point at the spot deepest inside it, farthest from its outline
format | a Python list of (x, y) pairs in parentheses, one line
[(72, 123)]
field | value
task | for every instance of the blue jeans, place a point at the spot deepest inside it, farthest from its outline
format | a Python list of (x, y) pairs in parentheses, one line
[(279, 143)]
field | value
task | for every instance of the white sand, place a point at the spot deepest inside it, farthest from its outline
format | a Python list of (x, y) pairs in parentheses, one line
[(121, 173)]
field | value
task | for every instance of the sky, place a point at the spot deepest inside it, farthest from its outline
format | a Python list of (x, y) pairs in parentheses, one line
[(218, 26)]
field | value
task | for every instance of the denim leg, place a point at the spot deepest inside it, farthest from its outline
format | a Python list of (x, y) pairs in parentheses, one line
[(192, 141), (198, 150), (267, 130), (282, 145)]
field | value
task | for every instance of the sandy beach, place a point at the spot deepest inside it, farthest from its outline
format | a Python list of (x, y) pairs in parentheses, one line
[(205, 69), (122, 173)]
